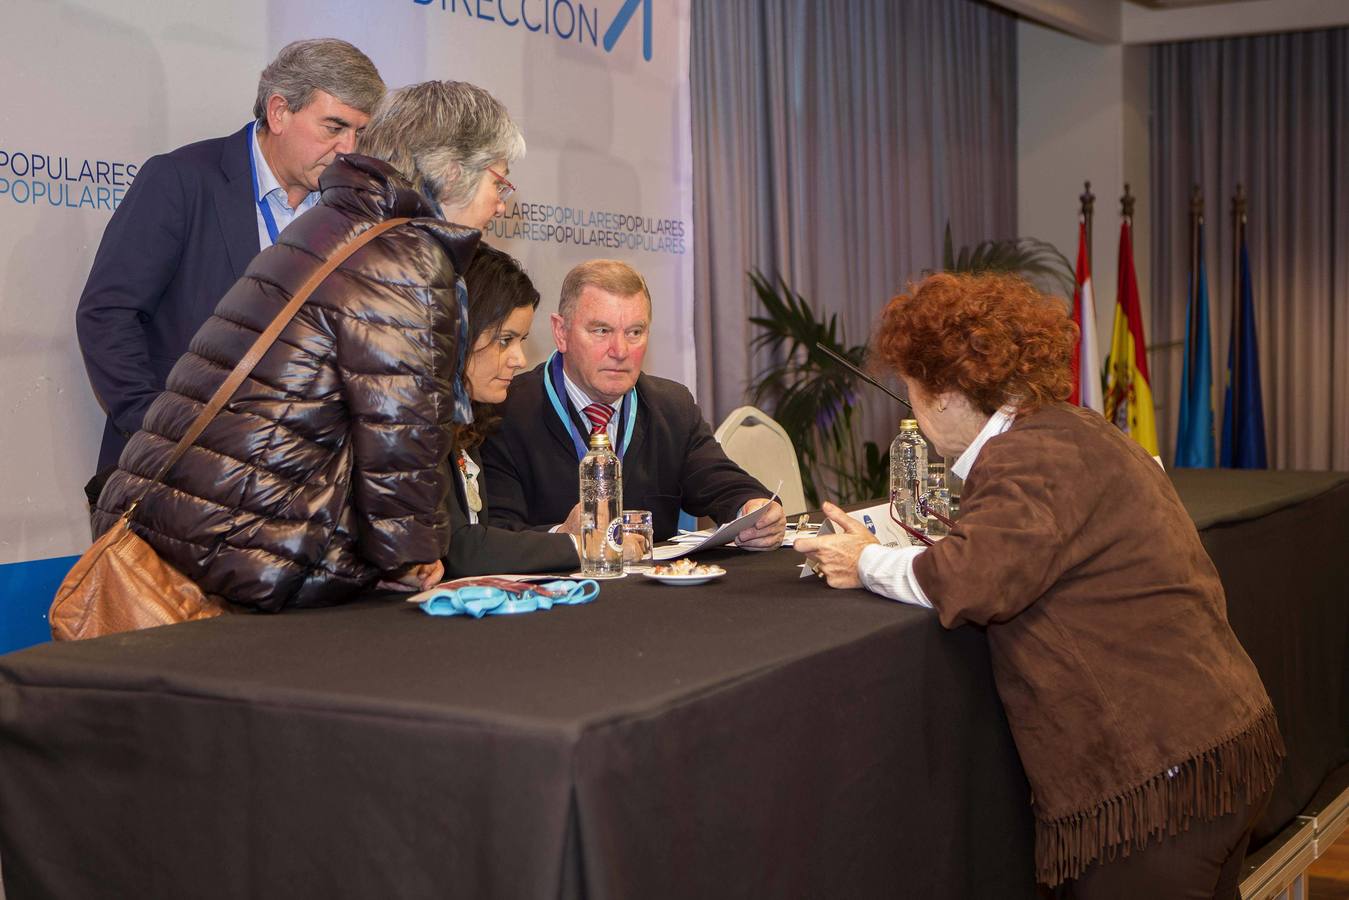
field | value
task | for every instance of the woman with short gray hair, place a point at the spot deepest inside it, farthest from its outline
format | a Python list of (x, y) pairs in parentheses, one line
[(333, 470), (454, 142)]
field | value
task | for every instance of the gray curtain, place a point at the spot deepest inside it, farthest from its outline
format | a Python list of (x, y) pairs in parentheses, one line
[(1269, 112), (832, 142)]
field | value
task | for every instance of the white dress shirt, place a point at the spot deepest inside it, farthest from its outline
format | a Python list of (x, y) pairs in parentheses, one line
[(888, 571), (579, 400), (270, 190)]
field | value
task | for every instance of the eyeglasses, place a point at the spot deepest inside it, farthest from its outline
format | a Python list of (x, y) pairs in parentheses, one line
[(504, 187), (912, 532)]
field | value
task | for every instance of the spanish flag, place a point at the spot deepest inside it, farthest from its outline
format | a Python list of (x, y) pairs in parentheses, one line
[(1128, 393)]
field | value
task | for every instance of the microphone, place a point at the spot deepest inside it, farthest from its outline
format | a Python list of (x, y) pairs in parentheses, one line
[(860, 374)]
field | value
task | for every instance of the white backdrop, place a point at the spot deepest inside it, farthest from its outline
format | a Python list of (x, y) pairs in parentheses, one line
[(89, 90)]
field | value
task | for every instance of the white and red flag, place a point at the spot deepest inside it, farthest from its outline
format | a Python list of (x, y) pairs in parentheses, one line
[(1086, 357)]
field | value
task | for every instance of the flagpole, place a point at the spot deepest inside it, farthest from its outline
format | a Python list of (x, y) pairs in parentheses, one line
[(1126, 211), (1238, 236), (1196, 220), (1087, 201)]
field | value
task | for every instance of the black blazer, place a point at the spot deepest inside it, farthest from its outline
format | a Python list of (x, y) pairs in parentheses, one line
[(184, 233), (486, 550), (674, 462)]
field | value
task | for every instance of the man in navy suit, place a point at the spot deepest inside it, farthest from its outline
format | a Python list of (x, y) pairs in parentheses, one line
[(194, 218), (593, 383)]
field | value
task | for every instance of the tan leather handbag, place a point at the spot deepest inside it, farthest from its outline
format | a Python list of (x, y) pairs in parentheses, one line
[(120, 583)]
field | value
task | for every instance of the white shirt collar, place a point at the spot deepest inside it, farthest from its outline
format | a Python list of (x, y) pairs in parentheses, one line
[(578, 397), (997, 423), (267, 180)]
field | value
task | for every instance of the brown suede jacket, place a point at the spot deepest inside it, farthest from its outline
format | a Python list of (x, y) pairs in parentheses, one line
[(1133, 706)]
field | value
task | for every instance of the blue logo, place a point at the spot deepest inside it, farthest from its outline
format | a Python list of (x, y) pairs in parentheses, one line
[(620, 22), (35, 178), (565, 20)]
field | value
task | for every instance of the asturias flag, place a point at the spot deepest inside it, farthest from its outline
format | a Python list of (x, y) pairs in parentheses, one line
[(1128, 390), (1243, 409), (1086, 358), (1194, 431)]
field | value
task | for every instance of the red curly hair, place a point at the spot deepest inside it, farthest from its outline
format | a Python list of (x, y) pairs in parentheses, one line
[(994, 338)]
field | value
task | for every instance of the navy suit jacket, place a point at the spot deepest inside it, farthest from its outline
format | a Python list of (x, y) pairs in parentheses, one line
[(674, 462), (184, 233)]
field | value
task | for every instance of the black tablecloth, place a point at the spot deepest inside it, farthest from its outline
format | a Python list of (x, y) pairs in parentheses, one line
[(1280, 541), (761, 737)]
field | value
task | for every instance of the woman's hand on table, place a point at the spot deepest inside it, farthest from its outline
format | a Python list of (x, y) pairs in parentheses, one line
[(635, 548), (834, 556), (572, 525), (419, 577)]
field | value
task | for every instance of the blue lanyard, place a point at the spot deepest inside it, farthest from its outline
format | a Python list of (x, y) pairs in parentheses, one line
[(627, 415), (263, 206)]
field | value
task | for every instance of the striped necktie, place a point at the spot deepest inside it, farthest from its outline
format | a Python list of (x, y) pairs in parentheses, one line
[(599, 415)]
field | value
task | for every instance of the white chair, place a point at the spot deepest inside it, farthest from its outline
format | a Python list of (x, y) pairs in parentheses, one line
[(762, 448)]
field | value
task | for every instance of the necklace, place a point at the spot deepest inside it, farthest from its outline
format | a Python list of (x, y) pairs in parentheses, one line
[(470, 484)]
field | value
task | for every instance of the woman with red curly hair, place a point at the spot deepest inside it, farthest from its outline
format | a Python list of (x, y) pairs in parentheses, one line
[(1146, 734)]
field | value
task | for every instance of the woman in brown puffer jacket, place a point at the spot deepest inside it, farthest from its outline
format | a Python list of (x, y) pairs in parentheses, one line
[(329, 468)]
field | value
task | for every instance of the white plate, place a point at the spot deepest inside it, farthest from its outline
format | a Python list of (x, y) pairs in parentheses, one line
[(685, 579)]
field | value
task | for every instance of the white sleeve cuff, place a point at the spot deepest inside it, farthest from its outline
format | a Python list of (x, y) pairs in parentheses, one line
[(888, 571)]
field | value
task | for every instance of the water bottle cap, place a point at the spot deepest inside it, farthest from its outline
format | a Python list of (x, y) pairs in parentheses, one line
[(599, 441), (908, 424)]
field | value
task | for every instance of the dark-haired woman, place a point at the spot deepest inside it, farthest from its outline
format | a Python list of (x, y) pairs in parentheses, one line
[(501, 304), (1146, 734)]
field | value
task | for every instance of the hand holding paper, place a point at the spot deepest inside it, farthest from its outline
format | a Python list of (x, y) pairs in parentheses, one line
[(834, 556), (748, 521), (766, 531)]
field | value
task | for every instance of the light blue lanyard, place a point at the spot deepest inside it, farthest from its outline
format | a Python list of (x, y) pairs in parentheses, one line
[(627, 416), (263, 206), (478, 600)]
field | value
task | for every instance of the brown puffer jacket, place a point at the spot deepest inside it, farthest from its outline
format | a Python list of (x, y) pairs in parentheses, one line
[(330, 464)]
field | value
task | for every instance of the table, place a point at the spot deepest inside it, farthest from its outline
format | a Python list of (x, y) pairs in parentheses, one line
[(770, 738), (1280, 541)]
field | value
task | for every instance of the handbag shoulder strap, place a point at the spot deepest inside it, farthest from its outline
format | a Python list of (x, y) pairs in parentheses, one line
[(262, 345)]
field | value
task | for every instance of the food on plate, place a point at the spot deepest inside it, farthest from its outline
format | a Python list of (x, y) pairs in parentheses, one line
[(686, 568)]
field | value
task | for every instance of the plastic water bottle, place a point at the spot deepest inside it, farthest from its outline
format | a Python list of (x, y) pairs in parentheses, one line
[(601, 510), (908, 475)]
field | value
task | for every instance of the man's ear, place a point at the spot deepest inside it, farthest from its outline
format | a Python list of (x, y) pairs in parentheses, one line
[(278, 112), (559, 331)]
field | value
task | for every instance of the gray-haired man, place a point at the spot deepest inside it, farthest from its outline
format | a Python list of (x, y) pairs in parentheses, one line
[(194, 218)]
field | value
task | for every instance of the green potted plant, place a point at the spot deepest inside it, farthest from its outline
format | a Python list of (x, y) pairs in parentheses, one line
[(814, 398)]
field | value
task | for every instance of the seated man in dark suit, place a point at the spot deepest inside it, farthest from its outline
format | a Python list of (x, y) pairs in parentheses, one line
[(595, 381), (194, 218)]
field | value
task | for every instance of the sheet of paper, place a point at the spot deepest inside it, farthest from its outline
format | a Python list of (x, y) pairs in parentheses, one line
[(691, 537), (877, 518), (718, 538)]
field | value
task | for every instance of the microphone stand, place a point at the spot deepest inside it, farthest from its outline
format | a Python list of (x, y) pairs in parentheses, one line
[(860, 374)]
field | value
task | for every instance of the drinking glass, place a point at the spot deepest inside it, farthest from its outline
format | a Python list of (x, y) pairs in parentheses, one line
[(938, 498), (637, 539)]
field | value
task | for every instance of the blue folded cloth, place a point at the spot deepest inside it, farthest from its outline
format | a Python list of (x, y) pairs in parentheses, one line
[(499, 597)]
